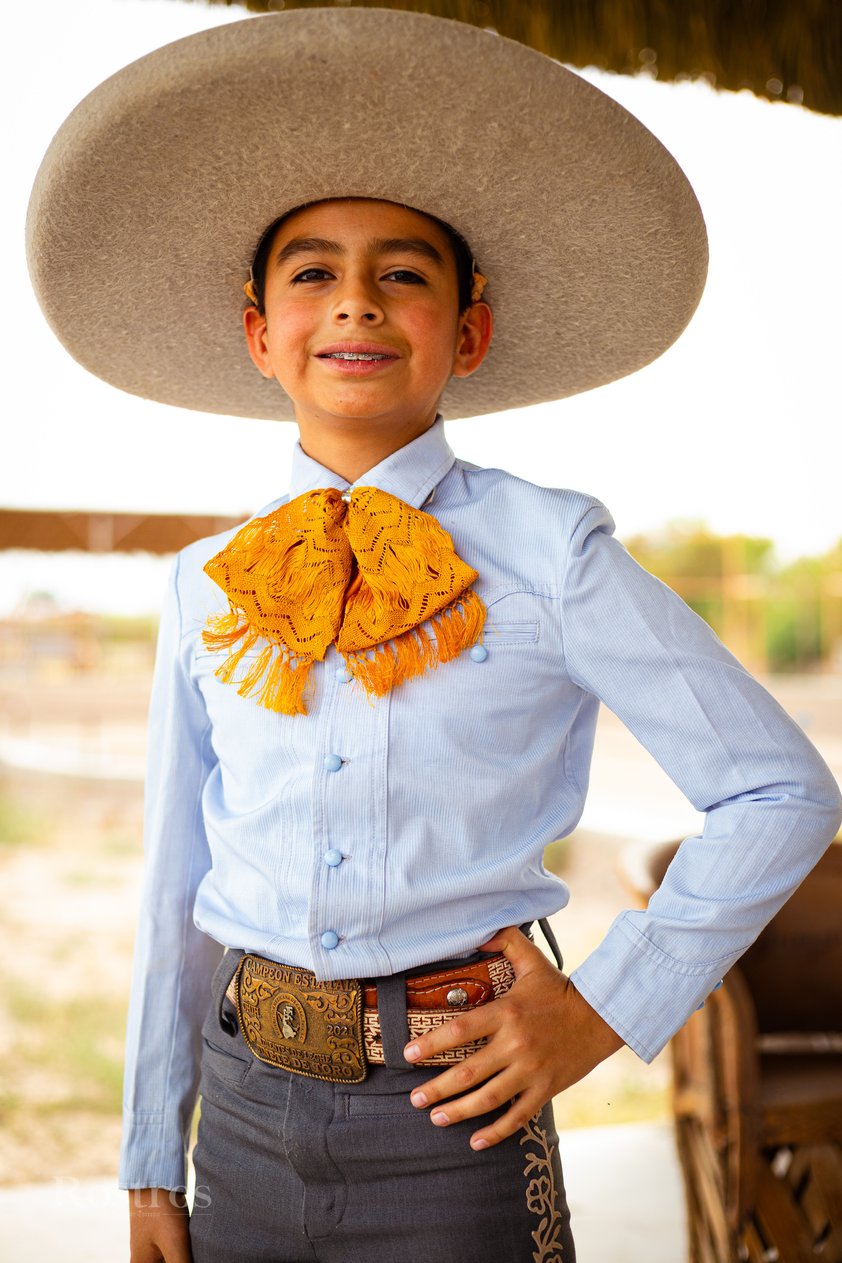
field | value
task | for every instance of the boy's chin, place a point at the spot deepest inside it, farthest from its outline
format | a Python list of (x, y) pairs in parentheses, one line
[(360, 413)]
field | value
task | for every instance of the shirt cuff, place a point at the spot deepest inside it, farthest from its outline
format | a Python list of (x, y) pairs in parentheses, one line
[(640, 991), (152, 1154)]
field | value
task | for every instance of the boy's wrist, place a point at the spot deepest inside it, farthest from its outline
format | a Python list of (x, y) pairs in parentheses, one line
[(157, 1200)]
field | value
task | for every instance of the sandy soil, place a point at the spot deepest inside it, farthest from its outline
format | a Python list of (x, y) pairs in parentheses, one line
[(69, 893)]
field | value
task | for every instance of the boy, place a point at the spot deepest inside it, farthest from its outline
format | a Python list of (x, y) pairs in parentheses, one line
[(374, 705)]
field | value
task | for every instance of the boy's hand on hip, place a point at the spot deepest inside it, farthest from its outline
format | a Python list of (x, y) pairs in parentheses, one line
[(158, 1226), (542, 1037)]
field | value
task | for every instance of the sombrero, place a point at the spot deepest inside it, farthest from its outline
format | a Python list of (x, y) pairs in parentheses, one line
[(153, 195)]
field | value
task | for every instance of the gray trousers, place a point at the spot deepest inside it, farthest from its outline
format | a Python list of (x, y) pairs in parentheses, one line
[(290, 1169)]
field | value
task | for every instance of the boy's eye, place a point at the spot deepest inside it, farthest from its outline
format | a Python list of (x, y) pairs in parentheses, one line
[(404, 277), (312, 274)]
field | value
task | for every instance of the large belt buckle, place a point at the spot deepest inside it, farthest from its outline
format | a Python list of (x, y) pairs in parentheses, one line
[(307, 1027)]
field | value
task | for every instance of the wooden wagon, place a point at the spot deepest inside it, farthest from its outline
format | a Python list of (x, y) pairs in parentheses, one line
[(757, 1076)]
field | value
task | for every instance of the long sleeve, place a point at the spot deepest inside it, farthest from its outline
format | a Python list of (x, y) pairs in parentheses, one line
[(173, 960), (772, 806)]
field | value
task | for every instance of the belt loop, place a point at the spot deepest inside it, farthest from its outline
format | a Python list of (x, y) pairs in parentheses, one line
[(225, 971), (391, 1010), (552, 942)]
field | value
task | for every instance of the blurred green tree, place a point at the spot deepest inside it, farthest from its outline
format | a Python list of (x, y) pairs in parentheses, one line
[(779, 618)]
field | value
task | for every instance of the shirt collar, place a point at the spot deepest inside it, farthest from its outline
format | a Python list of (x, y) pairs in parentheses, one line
[(411, 473)]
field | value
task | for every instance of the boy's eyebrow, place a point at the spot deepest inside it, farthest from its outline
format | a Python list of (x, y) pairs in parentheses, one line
[(380, 245), (406, 245), (307, 245)]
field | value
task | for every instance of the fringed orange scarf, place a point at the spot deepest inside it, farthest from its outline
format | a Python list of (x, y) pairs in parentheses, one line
[(362, 573)]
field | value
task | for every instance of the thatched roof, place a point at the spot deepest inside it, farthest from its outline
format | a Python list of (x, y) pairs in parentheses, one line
[(780, 49), (57, 531)]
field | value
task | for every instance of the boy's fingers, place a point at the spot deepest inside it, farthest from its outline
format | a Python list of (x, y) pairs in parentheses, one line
[(516, 1117), (490, 1096), (466, 1074), (456, 1031), (521, 953), (524, 957)]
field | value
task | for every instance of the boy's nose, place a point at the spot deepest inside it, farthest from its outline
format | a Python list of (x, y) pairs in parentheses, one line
[(370, 317), (357, 303)]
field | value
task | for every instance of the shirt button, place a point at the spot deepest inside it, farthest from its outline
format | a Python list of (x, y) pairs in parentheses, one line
[(479, 653), (330, 939), (343, 675), (332, 762), (333, 857)]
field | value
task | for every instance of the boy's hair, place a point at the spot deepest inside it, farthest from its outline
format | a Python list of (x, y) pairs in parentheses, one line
[(462, 257)]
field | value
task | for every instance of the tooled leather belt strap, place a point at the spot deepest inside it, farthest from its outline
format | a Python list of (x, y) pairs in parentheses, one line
[(330, 1030)]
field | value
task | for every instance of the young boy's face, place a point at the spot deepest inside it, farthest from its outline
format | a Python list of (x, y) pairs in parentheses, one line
[(360, 278)]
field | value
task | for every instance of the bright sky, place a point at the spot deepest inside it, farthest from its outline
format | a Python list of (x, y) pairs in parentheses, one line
[(737, 424)]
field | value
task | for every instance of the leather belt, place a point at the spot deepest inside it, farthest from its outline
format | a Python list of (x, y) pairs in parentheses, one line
[(331, 1030)]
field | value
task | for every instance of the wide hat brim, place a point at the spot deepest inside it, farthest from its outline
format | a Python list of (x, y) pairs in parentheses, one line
[(154, 193)]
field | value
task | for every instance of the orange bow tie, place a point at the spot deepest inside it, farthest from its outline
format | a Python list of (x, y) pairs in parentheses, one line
[(362, 573)]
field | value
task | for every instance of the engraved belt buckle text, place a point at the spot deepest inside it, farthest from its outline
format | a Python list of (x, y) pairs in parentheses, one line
[(290, 1020)]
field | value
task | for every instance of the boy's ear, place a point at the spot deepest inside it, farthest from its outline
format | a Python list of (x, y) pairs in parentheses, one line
[(476, 326), (254, 324)]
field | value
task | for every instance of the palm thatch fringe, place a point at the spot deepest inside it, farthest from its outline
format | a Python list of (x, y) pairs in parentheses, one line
[(777, 49)]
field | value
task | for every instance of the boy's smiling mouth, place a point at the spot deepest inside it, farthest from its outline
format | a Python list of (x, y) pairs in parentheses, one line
[(358, 356), (352, 355)]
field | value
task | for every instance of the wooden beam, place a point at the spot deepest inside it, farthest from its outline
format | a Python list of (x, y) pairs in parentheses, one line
[(59, 531)]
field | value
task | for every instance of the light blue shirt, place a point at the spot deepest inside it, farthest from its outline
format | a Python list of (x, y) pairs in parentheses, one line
[(371, 836)]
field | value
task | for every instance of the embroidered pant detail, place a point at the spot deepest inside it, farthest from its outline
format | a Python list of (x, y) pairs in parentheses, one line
[(542, 1192)]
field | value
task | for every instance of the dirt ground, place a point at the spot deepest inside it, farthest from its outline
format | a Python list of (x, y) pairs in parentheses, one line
[(70, 867), (70, 873)]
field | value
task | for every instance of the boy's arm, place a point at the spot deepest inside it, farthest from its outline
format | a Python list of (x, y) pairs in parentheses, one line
[(772, 807), (771, 804), (173, 960)]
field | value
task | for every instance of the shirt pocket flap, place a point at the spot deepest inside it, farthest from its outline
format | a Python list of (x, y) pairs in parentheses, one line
[(515, 632)]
